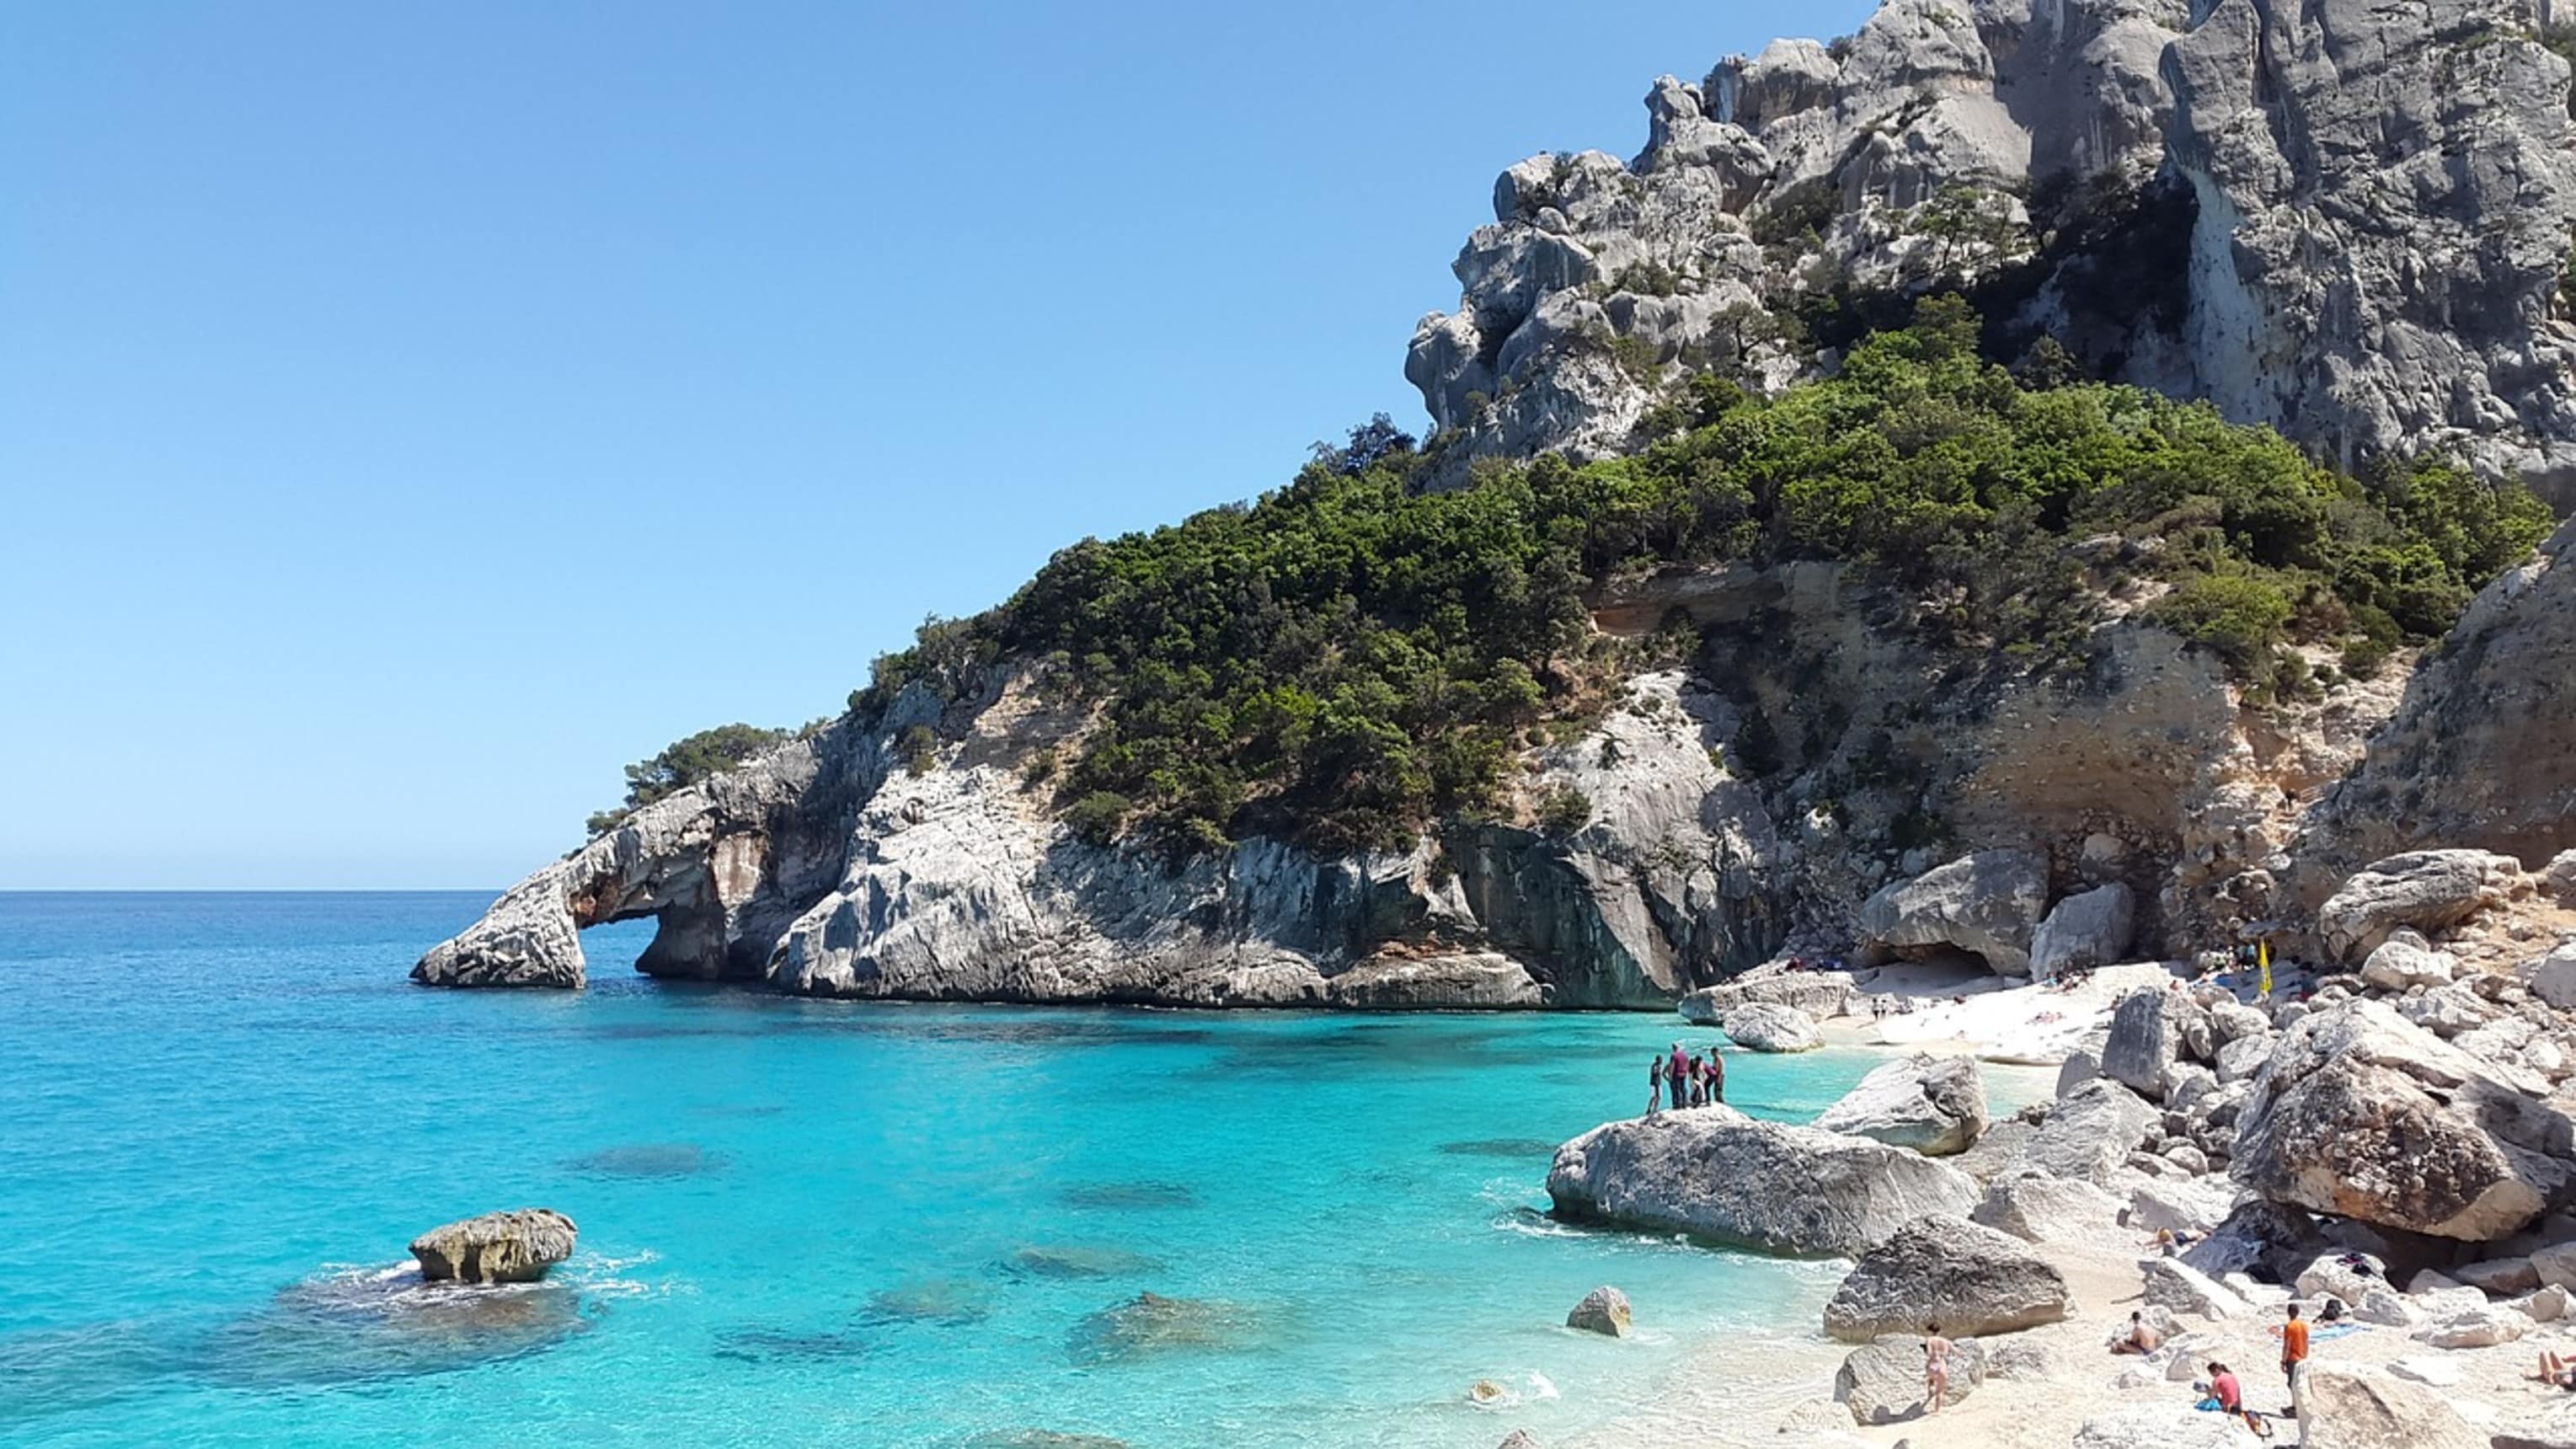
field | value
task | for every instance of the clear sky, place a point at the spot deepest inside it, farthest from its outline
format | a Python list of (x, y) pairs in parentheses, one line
[(411, 414)]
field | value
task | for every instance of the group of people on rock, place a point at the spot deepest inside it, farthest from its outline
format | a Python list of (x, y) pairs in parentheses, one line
[(1695, 1081)]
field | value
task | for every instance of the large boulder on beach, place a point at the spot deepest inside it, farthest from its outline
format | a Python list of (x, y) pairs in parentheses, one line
[(1881, 1382), (1719, 1175), (1987, 904), (2424, 889), (1950, 1271), (2362, 1114), (2088, 928), (2090, 1133), (2163, 1426), (1604, 1311), (2177, 1287), (2153, 1031), (2406, 960), (2347, 1406), (1820, 994), (1763, 1027), (1933, 1104), (504, 1247), (2038, 1208)]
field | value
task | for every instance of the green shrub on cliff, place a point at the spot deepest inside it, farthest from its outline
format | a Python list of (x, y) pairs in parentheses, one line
[(685, 763), (1351, 657)]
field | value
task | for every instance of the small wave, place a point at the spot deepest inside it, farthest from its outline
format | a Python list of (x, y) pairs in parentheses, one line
[(1543, 1387), (1533, 1225)]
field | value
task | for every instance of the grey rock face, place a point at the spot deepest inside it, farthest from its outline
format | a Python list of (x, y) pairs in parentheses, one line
[(1933, 1104), (505, 1247), (2090, 1133), (2362, 1114), (2038, 1208), (2160, 1426), (2369, 207), (1817, 993), (2406, 960), (1987, 903), (2089, 928), (1762, 1027), (2145, 1041), (2177, 1287), (829, 868), (2348, 1406), (1719, 1175), (2424, 889), (1950, 1271)]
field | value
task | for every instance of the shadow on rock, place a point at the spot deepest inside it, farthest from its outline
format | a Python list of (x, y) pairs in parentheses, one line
[(1150, 1325), (648, 1160), (945, 1302), (1077, 1260), (363, 1325)]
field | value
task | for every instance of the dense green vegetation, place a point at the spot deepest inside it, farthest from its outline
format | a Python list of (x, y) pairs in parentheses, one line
[(1350, 657), (685, 763)]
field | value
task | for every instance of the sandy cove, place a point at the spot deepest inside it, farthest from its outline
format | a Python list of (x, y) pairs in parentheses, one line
[(1780, 1390)]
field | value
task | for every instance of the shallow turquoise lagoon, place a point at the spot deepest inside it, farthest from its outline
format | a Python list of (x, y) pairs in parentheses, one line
[(223, 1116)]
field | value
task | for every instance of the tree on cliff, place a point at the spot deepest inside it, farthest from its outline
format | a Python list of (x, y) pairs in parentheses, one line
[(684, 763)]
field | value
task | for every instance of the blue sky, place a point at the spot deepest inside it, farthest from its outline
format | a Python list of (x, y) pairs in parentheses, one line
[(408, 415)]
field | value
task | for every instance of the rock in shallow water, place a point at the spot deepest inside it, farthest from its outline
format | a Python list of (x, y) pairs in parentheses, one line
[(1149, 1325), (504, 1247), (1717, 1174), (359, 1327), (1603, 1310)]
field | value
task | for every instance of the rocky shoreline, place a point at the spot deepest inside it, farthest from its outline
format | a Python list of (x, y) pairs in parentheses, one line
[(2392, 1148)]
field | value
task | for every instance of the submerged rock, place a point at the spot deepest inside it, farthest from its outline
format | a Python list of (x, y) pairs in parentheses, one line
[(359, 1327), (1717, 1174), (504, 1247), (1939, 1269), (648, 1160), (1933, 1104), (1076, 1260), (1150, 1325), (948, 1302)]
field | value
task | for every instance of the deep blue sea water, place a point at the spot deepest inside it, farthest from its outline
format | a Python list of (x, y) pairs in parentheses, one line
[(222, 1117)]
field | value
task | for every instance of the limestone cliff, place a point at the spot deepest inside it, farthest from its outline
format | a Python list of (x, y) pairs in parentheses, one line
[(2348, 219)]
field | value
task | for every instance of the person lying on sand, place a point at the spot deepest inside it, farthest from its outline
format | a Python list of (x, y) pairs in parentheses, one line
[(2558, 1371)]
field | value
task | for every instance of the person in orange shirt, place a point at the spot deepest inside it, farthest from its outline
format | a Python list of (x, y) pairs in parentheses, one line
[(2294, 1346)]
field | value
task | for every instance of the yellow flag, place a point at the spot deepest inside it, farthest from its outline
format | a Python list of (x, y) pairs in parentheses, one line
[(2263, 956)]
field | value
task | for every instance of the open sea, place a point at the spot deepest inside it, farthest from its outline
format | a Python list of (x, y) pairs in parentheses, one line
[(223, 1117)]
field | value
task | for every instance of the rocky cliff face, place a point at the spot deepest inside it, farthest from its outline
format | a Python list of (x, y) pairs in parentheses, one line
[(2348, 219)]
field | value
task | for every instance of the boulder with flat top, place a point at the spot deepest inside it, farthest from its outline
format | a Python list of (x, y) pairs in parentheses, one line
[(504, 1247), (1721, 1176)]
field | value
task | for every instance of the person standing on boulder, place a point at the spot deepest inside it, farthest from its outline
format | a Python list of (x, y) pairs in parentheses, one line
[(2294, 1347), (1677, 1071), (1716, 1078), (1654, 1085)]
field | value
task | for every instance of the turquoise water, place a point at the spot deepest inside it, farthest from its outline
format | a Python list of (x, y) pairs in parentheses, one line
[(223, 1116)]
